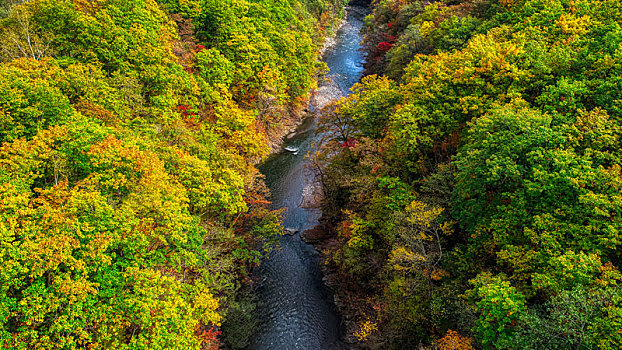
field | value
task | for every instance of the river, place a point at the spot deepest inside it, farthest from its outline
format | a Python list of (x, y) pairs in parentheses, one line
[(296, 309)]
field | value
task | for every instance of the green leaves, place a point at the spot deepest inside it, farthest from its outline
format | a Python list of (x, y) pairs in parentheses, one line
[(528, 198), (90, 252), (128, 193), (371, 104), (500, 306), (512, 109), (29, 105)]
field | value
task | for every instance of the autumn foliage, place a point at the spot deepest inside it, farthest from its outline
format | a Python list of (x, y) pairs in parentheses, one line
[(129, 130), (454, 341), (481, 203)]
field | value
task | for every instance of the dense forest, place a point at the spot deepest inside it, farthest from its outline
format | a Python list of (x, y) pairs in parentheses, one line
[(473, 178), (130, 129)]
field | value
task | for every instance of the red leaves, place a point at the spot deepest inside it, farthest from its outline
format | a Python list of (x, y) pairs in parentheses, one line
[(390, 38), (200, 48), (349, 143), (185, 110), (347, 229), (384, 46), (209, 338), (188, 116)]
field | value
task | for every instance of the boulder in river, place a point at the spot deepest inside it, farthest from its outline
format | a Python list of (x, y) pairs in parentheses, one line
[(312, 194), (290, 231), (315, 235)]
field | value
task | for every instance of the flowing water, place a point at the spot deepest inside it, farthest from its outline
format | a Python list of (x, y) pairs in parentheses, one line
[(297, 310)]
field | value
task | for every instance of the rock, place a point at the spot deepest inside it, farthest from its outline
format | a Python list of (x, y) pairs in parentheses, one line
[(314, 235), (326, 93), (290, 231), (312, 195)]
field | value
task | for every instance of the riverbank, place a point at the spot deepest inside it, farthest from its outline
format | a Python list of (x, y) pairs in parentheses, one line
[(298, 113), (323, 240)]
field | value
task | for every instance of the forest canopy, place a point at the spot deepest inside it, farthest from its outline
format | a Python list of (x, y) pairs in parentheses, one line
[(129, 131), (473, 177)]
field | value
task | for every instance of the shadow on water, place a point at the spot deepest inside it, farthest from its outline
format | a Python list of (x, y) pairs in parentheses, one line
[(296, 309)]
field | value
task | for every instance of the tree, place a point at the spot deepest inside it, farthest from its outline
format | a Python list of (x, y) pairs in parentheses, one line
[(500, 306), (521, 194), (20, 37)]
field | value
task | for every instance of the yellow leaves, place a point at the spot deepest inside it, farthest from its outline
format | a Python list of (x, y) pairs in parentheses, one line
[(356, 233), (404, 259), (421, 214), (211, 187), (25, 158), (447, 229), (462, 84), (493, 52), (427, 27), (595, 130), (437, 274), (366, 329), (454, 341), (78, 289), (207, 306), (360, 241), (418, 250), (51, 236), (569, 24), (165, 308), (609, 275), (90, 7), (147, 186), (12, 200), (238, 131)]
